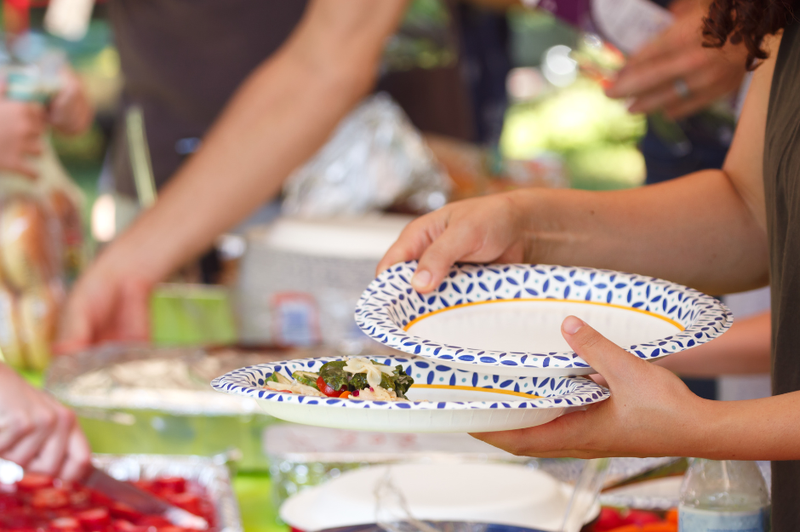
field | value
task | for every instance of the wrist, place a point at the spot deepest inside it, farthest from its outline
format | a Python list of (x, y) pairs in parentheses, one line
[(119, 265), (536, 231), (705, 433)]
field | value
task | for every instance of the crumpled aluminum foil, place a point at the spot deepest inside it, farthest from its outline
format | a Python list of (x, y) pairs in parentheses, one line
[(208, 472), (374, 159)]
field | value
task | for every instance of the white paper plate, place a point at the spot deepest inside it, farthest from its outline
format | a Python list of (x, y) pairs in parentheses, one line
[(442, 399), (506, 319), (495, 493)]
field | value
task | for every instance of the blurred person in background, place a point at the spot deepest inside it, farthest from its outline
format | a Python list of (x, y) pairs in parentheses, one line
[(263, 84), (22, 124), (37, 433)]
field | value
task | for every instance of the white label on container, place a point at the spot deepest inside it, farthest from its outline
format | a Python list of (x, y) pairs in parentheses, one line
[(695, 520)]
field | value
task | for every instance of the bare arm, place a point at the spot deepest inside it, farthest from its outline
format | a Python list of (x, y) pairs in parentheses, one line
[(279, 117), (651, 412), (706, 230)]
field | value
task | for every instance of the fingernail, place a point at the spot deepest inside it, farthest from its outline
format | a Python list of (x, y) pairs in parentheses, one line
[(571, 325), (421, 279)]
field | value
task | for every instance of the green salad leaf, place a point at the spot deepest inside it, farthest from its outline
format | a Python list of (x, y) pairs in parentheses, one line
[(402, 381), (334, 375)]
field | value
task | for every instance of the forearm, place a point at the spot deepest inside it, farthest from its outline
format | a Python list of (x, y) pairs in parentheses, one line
[(743, 350), (280, 116), (759, 429), (696, 230)]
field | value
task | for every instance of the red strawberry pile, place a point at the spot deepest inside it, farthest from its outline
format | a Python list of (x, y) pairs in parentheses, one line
[(39, 503), (614, 520)]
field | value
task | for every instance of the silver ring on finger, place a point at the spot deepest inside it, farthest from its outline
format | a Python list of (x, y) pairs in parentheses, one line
[(682, 89)]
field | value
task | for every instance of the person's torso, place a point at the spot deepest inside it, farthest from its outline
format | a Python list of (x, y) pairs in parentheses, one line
[(183, 60), (188, 56), (782, 194)]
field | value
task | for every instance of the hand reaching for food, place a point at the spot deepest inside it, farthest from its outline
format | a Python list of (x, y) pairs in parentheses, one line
[(108, 303)]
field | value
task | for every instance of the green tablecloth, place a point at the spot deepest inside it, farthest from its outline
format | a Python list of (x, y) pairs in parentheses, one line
[(255, 502)]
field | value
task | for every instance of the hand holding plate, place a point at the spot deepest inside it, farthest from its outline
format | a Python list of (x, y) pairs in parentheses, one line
[(650, 412), (479, 230)]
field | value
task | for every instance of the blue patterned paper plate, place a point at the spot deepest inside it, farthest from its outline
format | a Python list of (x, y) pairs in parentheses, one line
[(442, 399), (506, 319)]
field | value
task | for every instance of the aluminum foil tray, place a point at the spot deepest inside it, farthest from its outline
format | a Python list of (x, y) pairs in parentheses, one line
[(142, 399), (172, 380), (211, 475)]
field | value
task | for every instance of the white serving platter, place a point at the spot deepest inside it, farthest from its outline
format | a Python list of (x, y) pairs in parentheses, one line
[(506, 319), (442, 399), (505, 494)]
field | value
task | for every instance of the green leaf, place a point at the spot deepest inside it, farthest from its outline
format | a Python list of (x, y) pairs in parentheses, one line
[(334, 375)]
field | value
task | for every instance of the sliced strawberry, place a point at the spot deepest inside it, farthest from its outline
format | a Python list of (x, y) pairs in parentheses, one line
[(34, 481), (81, 499), (65, 524), (94, 519), (50, 499), (639, 517), (120, 525), (188, 501), (8, 502), (16, 519), (154, 520), (170, 484)]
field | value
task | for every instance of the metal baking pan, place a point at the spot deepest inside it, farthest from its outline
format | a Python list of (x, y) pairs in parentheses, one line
[(207, 472)]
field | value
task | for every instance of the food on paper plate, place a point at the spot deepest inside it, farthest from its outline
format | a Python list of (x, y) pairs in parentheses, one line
[(41, 503), (351, 378)]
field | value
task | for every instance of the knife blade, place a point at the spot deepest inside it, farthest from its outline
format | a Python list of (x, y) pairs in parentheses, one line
[(142, 501)]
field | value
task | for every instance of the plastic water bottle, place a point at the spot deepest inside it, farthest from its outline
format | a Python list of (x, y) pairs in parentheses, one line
[(723, 496)]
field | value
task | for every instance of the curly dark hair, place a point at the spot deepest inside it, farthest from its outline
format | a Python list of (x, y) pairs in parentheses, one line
[(747, 21)]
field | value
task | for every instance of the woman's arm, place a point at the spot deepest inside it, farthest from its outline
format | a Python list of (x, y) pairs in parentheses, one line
[(706, 230), (718, 218), (652, 413)]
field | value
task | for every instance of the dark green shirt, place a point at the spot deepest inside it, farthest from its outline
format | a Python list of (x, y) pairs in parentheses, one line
[(782, 188)]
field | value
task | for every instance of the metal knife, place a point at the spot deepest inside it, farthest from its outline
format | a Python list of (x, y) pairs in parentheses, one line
[(142, 501)]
